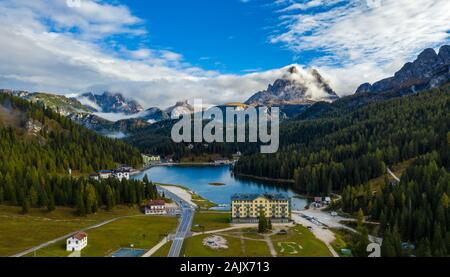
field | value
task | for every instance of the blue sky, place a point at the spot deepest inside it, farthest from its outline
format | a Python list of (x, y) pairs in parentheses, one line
[(230, 36), (162, 51)]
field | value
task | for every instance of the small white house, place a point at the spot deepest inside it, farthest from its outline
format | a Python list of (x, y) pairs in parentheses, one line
[(121, 174), (77, 242), (155, 207), (94, 177), (105, 174)]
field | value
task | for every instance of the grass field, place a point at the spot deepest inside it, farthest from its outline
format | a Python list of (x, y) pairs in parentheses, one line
[(343, 240), (208, 221), (20, 232), (163, 251), (193, 247), (339, 243), (202, 203), (143, 232), (299, 242)]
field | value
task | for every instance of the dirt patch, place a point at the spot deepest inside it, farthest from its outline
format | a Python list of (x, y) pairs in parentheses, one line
[(215, 242)]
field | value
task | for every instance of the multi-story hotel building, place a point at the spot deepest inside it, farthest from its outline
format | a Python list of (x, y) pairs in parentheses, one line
[(246, 208)]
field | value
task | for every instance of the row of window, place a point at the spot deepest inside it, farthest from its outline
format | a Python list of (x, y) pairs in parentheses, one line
[(259, 202)]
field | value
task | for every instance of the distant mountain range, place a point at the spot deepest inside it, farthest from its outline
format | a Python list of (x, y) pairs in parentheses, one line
[(298, 93)]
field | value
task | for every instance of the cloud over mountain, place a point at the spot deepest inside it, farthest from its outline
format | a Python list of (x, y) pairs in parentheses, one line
[(49, 46), (361, 39)]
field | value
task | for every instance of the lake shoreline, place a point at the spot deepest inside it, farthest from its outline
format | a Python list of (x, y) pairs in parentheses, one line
[(200, 177), (286, 181)]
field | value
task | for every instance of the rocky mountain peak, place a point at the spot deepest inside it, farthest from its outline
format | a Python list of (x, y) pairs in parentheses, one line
[(429, 70), (110, 102), (180, 108), (297, 86), (293, 70), (444, 54)]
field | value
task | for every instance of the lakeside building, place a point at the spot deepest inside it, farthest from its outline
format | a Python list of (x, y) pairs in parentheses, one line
[(320, 202), (246, 208), (151, 159), (120, 174), (222, 162), (104, 174), (77, 242), (155, 207)]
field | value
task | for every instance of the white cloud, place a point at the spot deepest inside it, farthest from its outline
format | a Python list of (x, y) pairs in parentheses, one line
[(42, 52), (48, 46), (362, 40)]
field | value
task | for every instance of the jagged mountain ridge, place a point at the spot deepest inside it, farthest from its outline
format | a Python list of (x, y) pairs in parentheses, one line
[(110, 103), (428, 71), (180, 108), (295, 87)]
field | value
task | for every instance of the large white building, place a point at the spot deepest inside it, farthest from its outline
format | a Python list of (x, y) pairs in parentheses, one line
[(77, 242), (155, 207), (247, 207)]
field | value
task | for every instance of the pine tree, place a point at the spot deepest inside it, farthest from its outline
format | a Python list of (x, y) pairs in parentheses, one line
[(145, 179), (361, 240), (424, 248), (26, 205), (262, 223), (81, 210), (2, 195), (51, 204), (33, 196), (109, 198), (387, 247), (397, 242), (91, 199), (445, 201)]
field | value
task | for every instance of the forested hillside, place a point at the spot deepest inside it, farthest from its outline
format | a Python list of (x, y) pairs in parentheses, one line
[(344, 151), (415, 210), (38, 146), (351, 148), (156, 139)]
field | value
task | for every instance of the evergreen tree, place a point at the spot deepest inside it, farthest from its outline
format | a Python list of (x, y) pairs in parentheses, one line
[(109, 198), (91, 199), (262, 222), (361, 239), (25, 205), (387, 247), (51, 204), (81, 210)]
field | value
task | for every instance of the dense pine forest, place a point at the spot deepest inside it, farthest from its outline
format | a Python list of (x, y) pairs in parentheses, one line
[(37, 148), (156, 139), (343, 151), (349, 149)]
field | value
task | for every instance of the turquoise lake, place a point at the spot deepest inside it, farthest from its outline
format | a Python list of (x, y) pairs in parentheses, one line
[(198, 179)]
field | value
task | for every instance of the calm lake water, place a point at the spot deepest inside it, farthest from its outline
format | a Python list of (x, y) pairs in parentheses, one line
[(197, 178)]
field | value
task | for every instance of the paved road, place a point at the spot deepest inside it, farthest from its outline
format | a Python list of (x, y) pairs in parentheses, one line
[(321, 218), (184, 228)]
